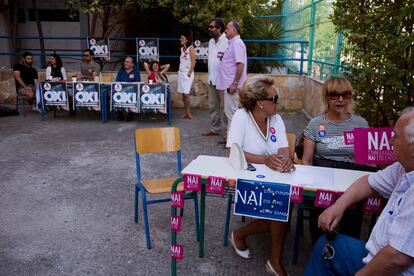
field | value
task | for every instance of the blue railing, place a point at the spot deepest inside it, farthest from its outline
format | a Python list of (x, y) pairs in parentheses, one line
[(76, 53)]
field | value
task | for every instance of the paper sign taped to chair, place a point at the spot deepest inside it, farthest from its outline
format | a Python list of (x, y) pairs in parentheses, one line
[(177, 199), (176, 223), (177, 251)]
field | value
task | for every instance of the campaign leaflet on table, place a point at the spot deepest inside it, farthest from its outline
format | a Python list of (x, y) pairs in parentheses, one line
[(261, 199), (124, 95), (86, 94), (153, 97), (100, 47), (147, 49), (54, 94), (201, 49)]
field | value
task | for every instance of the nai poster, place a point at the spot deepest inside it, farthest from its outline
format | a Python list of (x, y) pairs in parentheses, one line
[(372, 146)]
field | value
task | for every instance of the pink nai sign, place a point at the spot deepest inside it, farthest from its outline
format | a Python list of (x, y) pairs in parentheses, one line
[(177, 199), (324, 198), (296, 194), (374, 204), (372, 146), (177, 251), (176, 223), (215, 185), (192, 182), (349, 137)]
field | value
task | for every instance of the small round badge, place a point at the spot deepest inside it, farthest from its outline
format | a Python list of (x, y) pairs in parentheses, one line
[(273, 138), (272, 130), (322, 133)]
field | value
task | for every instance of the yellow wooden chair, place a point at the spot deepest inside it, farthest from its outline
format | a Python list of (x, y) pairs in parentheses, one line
[(158, 140)]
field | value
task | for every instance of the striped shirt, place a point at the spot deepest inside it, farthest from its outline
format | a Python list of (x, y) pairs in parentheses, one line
[(329, 137), (395, 226)]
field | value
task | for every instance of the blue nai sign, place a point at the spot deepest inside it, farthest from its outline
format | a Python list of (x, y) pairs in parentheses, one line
[(261, 199)]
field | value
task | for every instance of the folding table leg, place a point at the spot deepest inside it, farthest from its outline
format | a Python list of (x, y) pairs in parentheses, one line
[(227, 225)]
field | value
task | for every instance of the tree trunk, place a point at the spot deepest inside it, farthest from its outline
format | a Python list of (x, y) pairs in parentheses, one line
[(14, 8), (40, 31), (93, 25)]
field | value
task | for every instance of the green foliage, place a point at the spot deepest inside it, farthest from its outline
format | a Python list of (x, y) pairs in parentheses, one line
[(380, 54), (256, 28)]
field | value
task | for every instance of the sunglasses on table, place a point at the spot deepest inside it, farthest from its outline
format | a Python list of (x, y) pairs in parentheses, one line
[(334, 95), (328, 252), (273, 99)]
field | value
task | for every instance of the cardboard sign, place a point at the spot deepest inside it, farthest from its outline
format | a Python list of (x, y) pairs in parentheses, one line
[(177, 199), (86, 94), (349, 137), (215, 185), (54, 94), (177, 251), (192, 182), (324, 198), (261, 199), (374, 204), (153, 97), (372, 146), (176, 223), (124, 95), (147, 49), (201, 49), (100, 47), (296, 194)]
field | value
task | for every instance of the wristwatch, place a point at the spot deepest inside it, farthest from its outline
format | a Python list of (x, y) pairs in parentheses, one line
[(235, 83)]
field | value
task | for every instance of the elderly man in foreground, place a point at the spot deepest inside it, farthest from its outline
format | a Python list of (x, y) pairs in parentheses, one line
[(390, 248)]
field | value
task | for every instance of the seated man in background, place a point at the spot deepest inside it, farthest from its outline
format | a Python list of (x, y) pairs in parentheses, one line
[(390, 248), (89, 68), (26, 78), (128, 73)]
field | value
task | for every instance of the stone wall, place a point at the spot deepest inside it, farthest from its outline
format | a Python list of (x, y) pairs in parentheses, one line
[(296, 92)]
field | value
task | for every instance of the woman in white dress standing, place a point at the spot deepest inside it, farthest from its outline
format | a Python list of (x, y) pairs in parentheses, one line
[(186, 71)]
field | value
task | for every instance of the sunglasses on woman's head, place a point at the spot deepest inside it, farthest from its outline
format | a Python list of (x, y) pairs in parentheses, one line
[(211, 27), (273, 99), (335, 95)]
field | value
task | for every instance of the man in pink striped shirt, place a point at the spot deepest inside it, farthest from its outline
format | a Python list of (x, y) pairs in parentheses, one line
[(232, 70)]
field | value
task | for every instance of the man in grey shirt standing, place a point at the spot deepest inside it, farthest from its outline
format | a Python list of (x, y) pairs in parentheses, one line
[(216, 47)]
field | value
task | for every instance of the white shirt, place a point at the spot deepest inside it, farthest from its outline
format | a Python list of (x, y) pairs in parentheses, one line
[(244, 132), (215, 53), (49, 73), (395, 224), (185, 60)]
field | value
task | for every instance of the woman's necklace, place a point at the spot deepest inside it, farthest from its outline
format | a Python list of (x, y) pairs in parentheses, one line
[(265, 137)]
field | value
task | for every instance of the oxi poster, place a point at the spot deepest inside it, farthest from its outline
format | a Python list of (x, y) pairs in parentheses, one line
[(372, 146)]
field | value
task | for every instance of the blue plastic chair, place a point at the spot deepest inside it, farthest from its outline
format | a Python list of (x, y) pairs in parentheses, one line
[(158, 140)]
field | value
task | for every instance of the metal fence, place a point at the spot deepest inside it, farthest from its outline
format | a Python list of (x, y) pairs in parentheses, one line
[(70, 49), (309, 20)]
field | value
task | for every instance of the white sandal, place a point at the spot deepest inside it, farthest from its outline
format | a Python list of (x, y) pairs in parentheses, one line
[(245, 254)]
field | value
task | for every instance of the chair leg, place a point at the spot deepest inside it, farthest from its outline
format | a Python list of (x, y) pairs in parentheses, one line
[(298, 232), (197, 221), (136, 205), (226, 227), (144, 207)]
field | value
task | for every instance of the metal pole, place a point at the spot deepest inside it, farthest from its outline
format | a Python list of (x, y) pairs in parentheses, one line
[(338, 50), (311, 36)]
